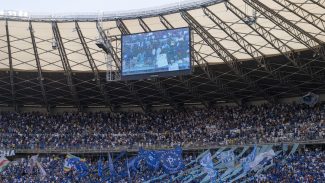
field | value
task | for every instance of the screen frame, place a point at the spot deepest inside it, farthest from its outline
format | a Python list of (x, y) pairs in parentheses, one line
[(158, 74)]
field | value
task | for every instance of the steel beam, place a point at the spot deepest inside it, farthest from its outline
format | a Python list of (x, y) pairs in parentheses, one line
[(122, 27), (144, 26), (225, 55), (93, 67), (204, 66), (65, 63), (320, 3), (250, 49), (274, 41), (110, 50), (11, 69), (38, 64), (298, 33), (302, 13)]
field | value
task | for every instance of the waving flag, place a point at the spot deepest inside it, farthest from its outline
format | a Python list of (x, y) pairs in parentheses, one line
[(245, 161), (71, 161), (111, 166), (3, 163), (260, 157), (31, 163), (41, 169), (151, 158), (134, 163), (172, 161), (100, 167), (207, 164), (227, 158)]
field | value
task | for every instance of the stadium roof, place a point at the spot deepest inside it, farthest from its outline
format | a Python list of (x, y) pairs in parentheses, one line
[(242, 50)]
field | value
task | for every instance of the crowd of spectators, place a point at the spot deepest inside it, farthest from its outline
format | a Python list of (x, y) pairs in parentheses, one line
[(191, 127), (308, 166)]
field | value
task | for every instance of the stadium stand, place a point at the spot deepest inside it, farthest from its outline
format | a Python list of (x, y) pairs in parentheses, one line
[(251, 110), (215, 127)]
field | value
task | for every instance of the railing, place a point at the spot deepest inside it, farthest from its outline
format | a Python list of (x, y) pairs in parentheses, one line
[(135, 148), (166, 9)]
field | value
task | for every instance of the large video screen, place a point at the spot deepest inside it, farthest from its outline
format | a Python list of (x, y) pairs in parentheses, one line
[(156, 54)]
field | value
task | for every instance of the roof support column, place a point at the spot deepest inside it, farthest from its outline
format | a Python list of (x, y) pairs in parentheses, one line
[(251, 50), (305, 15), (11, 71), (320, 3), (224, 54), (38, 64), (93, 67), (298, 33), (275, 42), (65, 63)]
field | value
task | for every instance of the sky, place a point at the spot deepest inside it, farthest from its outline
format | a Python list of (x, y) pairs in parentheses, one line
[(66, 6)]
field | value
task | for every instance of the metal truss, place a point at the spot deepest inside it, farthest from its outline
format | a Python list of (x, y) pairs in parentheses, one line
[(11, 71), (250, 49), (298, 33), (225, 55), (93, 67), (65, 63), (303, 14), (38, 64), (320, 3), (204, 67), (117, 61), (122, 27), (271, 39), (143, 24), (108, 48)]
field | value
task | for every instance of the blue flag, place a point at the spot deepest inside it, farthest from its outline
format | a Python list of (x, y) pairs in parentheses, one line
[(171, 160), (82, 169), (100, 168), (134, 163), (111, 166), (151, 158), (245, 161), (207, 164), (227, 158)]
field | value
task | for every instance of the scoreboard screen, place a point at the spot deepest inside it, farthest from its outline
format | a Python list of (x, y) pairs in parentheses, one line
[(156, 54)]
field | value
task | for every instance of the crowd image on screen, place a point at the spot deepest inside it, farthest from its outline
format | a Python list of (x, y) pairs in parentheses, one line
[(156, 52)]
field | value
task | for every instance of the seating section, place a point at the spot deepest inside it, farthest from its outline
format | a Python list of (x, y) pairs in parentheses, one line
[(193, 127)]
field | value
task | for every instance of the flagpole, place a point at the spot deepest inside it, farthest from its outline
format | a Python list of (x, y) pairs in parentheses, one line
[(127, 166)]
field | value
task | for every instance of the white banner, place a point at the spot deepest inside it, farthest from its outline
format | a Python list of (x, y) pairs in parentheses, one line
[(268, 154), (7, 153)]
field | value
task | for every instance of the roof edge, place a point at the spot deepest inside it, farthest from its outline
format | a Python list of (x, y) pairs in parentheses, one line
[(107, 16)]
